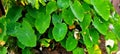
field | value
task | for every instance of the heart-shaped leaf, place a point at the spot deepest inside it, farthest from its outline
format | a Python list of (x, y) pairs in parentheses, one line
[(102, 8), (77, 10), (63, 3), (59, 31), (42, 22), (26, 35)]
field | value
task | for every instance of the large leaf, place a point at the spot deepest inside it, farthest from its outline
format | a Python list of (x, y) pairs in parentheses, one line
[(86, 22), (59, 31), (87, 39), (14, 13), (63, 3), (102, 8), (51, 7), (71, 43), (26, 35), (78, 51), (77, 10), (68, 16), (100, 25), (42, 22)]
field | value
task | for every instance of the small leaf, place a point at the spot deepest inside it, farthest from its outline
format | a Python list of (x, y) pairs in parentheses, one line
[(77, 10), (78, 51), (71, 43), (59, 31), (14, 13), (100, 25), (68, 16), (86, 22), (102, 8), (87, 39), (3, 50), (63, 3), (42, 23), (25, 34), (51, 7)]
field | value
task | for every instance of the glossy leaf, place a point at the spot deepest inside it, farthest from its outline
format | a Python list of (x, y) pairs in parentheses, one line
[(14, 13), (59, 31), (42, 23), (77, 10), (102, 8), (86, 22), (87, 39), (68, 16), (100, 25), (51, 7), (78, 51), (71, 43), (26, 35), (63, 3)]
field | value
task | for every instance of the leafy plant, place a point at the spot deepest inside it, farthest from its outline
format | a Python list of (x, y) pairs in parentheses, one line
[(39, 22)]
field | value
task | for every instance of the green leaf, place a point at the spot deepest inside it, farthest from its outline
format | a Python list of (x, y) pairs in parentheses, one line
[(42, 2), (26, 35), (3, 50), (63, 43), (116, 30), (87, 1), (102, 8), (86, 22), (45, 42), (50, 35), (78, 51), (63, 3), (37, 4), (56, 19), (32, 2), (2, 31), (42, 23), (87, 39), (100, 25), (26, 51), (77, 10), (51, 7), (14, 13), (68, 16), (94, 35), (59, 31), (71, 43), (20, 45)]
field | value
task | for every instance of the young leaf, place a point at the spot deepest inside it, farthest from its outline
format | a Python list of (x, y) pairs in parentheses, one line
[(63, 3), (102, 8), (77, 10), (25, 34), (14, 13), (71, 43), (101, 26), (42, 23), (86, 22), (78, 51), (59, 31), (51, 7), (68, 16)]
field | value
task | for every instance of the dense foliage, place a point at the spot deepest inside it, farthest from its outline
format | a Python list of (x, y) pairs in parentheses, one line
[(76, 24)]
